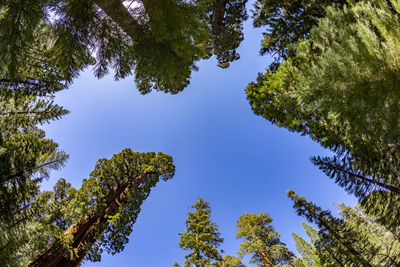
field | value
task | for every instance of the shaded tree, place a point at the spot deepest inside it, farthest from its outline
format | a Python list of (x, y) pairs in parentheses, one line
[(158, 41)]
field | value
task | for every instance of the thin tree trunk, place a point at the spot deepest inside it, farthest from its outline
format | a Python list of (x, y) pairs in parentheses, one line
[(366, 179), (85, 231)]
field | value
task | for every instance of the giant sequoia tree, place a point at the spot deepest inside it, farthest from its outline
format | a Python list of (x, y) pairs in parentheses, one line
[(100, 215), (340, 87), (158, 41)]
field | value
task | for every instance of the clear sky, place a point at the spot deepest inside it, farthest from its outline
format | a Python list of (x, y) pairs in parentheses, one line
[(224, 153)]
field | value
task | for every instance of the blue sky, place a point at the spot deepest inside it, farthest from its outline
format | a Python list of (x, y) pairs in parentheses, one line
[(224, 153)]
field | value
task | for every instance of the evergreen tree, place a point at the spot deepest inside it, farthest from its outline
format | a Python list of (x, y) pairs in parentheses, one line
[(325, 89), (261, 241), (385, 240), (309, 255), (345, 245), (100, 215), (26, 158), (287, 23), (354, 220), (159, 41), (231, 261), (201, 238)]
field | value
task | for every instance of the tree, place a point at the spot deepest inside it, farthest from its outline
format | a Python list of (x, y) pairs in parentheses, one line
[(261, 241), (387, 242), (367, 230), (100, 215), (312, 94), (159, 41), (231, 261), (345, 245), (287, 23), (309, 255), (201, 238)]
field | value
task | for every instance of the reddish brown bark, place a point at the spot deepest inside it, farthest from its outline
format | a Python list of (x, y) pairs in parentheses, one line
[(84, 232), (217, 16)]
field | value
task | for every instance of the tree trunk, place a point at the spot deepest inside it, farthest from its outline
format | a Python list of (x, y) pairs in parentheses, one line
[(266, 261), (217, 16), (84, 232), (120, 15), (389, 187)]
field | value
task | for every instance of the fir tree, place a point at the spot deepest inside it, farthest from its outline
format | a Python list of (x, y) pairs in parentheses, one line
[(345, 246), (309, 255), (201, 238), (100, 215), (261, 241), (27, 156)]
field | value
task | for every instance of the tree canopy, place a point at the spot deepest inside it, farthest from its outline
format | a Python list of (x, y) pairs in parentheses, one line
[(158, 42)]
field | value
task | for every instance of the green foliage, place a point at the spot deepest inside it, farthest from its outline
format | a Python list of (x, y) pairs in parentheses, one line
[(67, 208), (340, 87), (26, 157), (309, 255), (231, 261), (201, 238), (385, 243), (93, 198), (345, 245), (261, 241), (287, 22), (158, 41)]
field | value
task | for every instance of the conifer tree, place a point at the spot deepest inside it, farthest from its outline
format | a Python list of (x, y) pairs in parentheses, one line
[(346, 246), (159, 41), (387, 242), (231, 261), (27, 156), (261, 241), (100, 215), (309, 255), (311, 93), (201, 238), (287, 22)]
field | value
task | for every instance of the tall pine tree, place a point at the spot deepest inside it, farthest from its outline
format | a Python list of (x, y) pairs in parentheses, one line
[(345, 245)]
